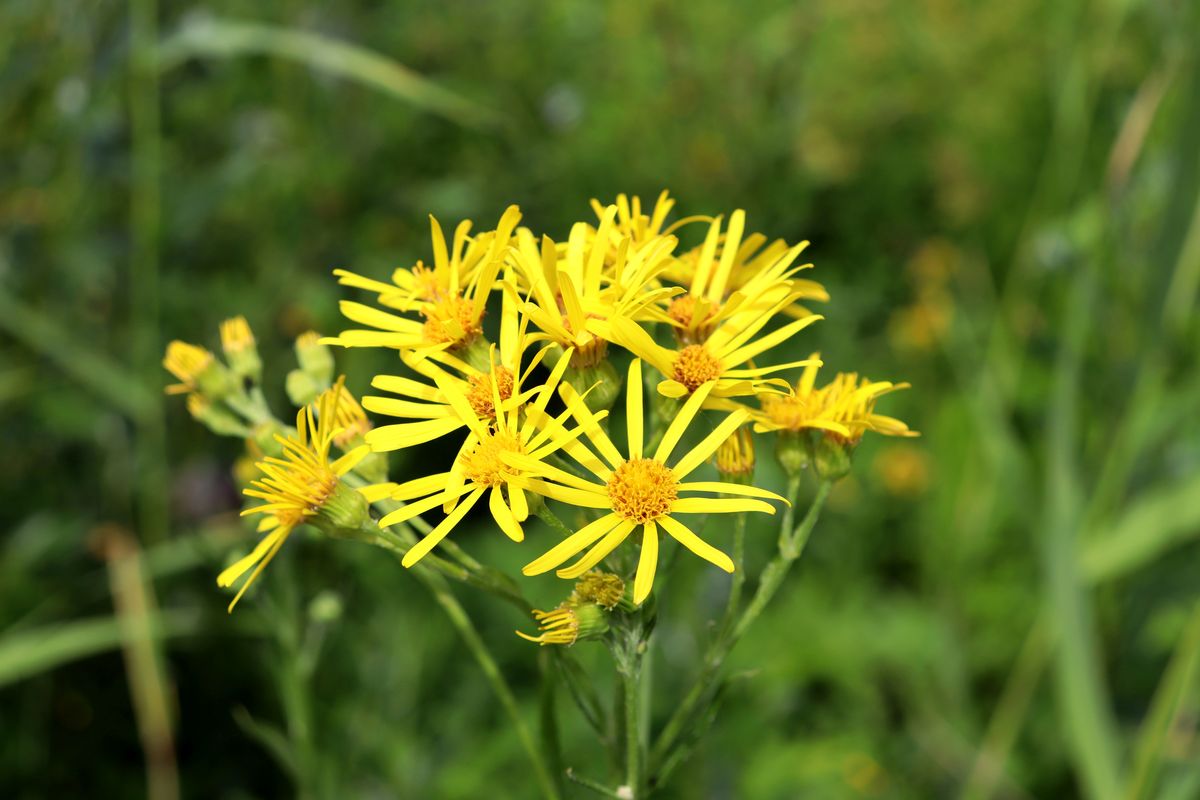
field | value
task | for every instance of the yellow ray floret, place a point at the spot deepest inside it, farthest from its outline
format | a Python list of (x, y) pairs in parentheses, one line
[(844, 407), (639, 491)]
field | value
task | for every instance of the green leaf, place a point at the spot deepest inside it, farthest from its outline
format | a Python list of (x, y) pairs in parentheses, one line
[(229, 38), (31, 652)]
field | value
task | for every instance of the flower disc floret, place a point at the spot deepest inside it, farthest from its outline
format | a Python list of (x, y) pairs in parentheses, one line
[(484, 464), (695, 366), (642, 490), (450, 320), (479, 392)]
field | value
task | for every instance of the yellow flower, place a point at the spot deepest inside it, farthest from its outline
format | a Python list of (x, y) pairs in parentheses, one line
[(302, 486), (639, 228), (722, 359), (639, 491), (569, 292), (451, 297), (734, 279), (844, 407), (432, 408), (483, 466)]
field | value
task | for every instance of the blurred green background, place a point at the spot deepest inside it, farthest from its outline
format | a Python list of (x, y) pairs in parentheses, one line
[(1003, 199)]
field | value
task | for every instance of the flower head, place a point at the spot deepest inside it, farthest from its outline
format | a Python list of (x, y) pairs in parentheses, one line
[(492, 460), (303, 485), (569, 623), (569, 291), (450, 298), (844, 407), (643, 490)]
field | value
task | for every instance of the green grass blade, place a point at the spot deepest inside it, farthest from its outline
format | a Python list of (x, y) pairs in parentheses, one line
[(217, 38), (1159, 521), (1179, 679), (32, 652)]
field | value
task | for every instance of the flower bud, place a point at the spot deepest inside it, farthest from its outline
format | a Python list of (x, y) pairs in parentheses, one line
[(830, 454), (315, 359), (601, 588), (302, 388), (735, 457), (198, 370), (568, 624), (791, 451), (600, 381), (237, 340)]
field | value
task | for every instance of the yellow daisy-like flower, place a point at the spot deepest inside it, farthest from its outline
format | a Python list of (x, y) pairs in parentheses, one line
[(727, 264), (638, 491), (300, 485), (482, 465), (569, 291), (722, 359), (763, 280), (638, 227), (451, 297), (426, 403), (844, 407)]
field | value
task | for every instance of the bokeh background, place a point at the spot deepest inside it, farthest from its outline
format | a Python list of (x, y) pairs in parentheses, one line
[(1003, 199)]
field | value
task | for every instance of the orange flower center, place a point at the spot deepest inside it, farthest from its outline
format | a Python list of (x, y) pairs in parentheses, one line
[(480, 394), (484, 465), (695, 366), (450, 320), (642, 490)]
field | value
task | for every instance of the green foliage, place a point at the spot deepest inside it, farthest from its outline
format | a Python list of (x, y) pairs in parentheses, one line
[(1003, 200)]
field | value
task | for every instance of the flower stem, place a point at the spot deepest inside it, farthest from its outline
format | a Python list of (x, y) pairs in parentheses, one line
[(633, 739), (791, 545), (550, 518), (479, 650)]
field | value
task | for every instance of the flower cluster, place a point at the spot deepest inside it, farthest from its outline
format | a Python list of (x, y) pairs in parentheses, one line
[(523, 397)]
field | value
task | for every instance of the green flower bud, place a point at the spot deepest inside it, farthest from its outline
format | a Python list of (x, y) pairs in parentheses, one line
[(315, 359), (830, 454), (791, 451)]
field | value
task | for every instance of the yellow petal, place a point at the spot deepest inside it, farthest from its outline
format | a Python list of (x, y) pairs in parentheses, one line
[(571, 545), (647, 563), (633, 408), (684, 535), (599, 552), (422, 548), (718, 505)]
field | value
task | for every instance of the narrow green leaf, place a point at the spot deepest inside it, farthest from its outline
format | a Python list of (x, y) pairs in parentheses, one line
[(219, 38), (32, 652)]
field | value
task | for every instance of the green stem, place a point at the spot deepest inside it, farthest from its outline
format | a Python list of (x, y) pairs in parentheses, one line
[(739, 575), (791, 545), (550, 518), (775, 571), (633, 739), (588, 783), (470, 636)]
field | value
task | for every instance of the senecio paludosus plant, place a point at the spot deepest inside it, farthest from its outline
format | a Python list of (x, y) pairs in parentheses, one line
[(528, 410)]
